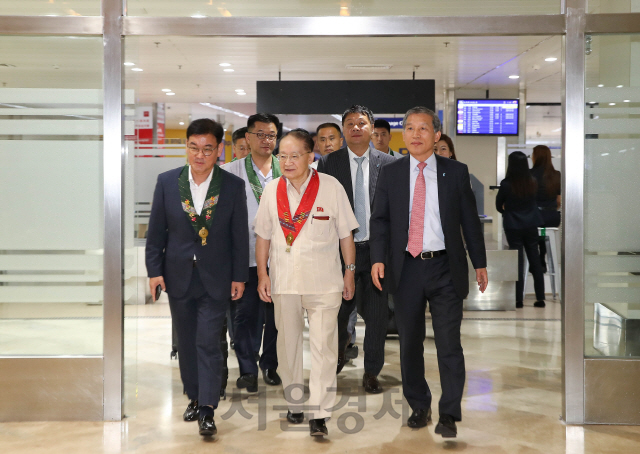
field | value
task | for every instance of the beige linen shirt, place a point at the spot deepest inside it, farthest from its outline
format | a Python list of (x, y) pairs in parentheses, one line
[(313, 265)]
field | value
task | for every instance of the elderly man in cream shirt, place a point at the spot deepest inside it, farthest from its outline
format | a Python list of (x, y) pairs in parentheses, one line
[(303, 221)]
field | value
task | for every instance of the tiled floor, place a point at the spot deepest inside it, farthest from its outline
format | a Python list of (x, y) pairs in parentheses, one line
[(512, 402)]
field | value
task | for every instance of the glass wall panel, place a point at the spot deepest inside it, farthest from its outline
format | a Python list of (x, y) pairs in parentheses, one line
[(613, 6), (320, 8), (612, 160), (50, 8), (51, 196)]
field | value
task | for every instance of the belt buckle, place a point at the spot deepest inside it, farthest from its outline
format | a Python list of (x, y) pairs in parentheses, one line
[(426, 255)]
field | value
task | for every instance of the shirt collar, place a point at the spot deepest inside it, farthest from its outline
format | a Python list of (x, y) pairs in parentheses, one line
[(352, 155), (207, 181), (258, 171), (304, 185), (432, 163)]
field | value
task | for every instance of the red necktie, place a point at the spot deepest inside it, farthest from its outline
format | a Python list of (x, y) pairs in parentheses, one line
[(416, 227)]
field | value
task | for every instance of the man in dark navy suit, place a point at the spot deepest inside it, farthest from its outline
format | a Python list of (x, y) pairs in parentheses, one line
[(357, 167), (198, 252), (423, 205)]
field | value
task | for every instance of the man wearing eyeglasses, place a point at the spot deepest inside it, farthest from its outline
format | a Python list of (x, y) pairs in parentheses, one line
[(257, 169), (198, 252), (357, 167)]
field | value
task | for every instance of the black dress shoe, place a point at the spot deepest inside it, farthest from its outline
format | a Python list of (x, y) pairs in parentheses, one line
[(192, 413), (371, 383), (248, 381), (351, 352), (419, 418), (447, 427), (271, 377), (318, 428), (519, 305), (295, 418), (207, 426), (539, 304), (341, 362)]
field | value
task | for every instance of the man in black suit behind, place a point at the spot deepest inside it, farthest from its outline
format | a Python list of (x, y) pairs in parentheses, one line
[(357, 167), (423, 202), (198, 252)]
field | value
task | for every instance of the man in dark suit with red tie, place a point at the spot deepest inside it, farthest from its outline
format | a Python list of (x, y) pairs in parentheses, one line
[(423, 205)]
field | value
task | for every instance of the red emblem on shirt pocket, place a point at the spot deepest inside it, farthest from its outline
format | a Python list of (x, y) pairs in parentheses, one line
[(320, 209)]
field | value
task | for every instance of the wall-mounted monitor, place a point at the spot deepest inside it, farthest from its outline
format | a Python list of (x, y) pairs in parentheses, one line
[(487, 117)]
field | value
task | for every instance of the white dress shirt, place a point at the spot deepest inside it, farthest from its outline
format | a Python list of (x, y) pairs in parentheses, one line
[(238, 168), (365, 173), (433, 236), (199, 192)]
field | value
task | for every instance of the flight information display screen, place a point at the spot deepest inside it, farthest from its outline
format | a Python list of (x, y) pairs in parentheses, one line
[(488, 117)]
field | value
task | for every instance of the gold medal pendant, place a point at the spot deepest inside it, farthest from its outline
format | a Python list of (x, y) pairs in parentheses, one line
[(203, 234), (289, 241)]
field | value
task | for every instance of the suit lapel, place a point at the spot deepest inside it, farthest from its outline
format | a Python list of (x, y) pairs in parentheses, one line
[(374, 170), (343, 173), (405, 195), (442, 189)]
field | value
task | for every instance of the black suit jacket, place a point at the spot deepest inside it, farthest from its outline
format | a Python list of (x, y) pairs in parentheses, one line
[(458, 214), (172, 241)]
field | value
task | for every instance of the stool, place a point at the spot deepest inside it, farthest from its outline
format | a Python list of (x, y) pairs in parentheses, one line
[(552, 268)]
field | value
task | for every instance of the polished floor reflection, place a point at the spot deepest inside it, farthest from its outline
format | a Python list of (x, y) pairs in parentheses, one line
[(512, 402)]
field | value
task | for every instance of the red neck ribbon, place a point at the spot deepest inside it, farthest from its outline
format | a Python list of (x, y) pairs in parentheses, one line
[(291, 226)]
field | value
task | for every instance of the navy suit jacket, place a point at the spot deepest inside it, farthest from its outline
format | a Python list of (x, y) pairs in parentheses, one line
[(172, 241), (458, 214)]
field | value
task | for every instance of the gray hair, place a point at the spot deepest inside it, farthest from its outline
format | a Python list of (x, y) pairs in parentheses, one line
[(437, 125)]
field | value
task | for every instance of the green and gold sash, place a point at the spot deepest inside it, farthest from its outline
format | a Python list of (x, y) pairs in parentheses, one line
[(254, 181), (201, 223)]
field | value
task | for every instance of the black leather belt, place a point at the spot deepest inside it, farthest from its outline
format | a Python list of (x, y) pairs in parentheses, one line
[(361, 243), (548, 208), (427, 255)]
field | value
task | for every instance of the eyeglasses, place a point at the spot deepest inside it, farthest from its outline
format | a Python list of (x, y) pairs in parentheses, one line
[(205, 151), (262, 135), (293, 158)]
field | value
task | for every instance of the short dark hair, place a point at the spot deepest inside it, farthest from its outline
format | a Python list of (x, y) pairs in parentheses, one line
[(381, 123), (328, 125), (204, 126), (238, 134), (437, 126), (357, 109), (262, 118), (302, 135)]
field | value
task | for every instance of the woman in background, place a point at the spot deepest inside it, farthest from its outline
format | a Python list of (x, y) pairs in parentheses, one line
[(444, 147), (548, 197), (516, 200)]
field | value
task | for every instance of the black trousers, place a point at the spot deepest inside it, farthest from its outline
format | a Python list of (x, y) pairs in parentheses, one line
[(199, 321), (422, 281), (248, 310), (551, 219), (373, 306), (527, 240)]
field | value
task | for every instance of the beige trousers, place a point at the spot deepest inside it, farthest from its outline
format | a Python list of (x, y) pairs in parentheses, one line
[(322, 312)]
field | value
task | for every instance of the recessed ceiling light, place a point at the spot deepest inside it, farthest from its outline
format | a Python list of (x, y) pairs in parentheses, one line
[(619, 86), (171, 94), (241, 93), (604, 154), (514, 77), (612, 103), (600, 85), (228, 70), (239, 90), (128, 63), (137, 69), (627, 100), (592, 102), (225, 64), (198, 16), (551, 59), (166, 90), (181, 123)]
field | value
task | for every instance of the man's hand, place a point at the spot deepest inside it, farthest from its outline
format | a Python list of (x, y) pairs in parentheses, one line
[(153, 283), (237, 289), (377, 273), (349, 285), (482, 278), (264, 288)]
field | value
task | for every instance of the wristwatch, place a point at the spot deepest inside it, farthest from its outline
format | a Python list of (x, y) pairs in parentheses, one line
[(351, 267)]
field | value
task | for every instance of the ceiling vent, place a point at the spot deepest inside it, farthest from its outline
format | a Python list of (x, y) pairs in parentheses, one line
[(369, 67)]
